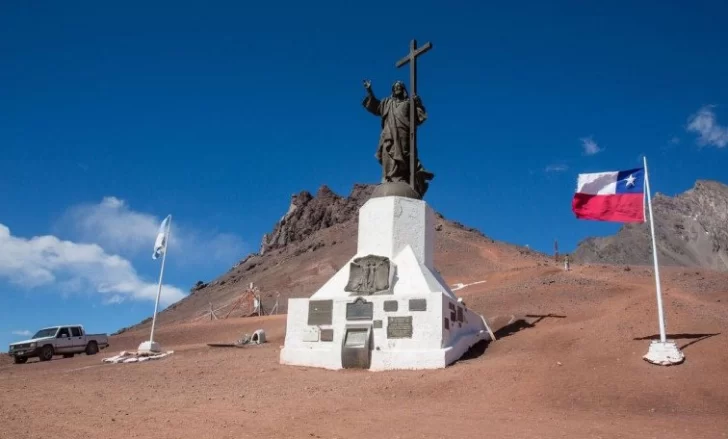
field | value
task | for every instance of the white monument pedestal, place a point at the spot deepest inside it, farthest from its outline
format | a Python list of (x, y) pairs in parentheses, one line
[(394, 311)]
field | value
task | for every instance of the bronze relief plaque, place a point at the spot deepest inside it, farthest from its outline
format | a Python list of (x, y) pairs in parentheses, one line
[(369, 275)]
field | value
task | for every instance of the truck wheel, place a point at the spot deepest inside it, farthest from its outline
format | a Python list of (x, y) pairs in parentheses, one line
[(20, 360), (67, 355), (46, 354), (92, 348)]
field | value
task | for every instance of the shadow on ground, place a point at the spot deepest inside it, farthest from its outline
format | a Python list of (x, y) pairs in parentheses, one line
[(521, 324), (682, 336), (511, 328)]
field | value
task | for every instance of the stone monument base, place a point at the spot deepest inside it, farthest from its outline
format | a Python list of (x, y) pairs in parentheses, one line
[(664, 353), (149, 347), (387, 308)]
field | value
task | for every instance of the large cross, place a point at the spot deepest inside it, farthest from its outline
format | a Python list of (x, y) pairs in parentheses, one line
[(411, 58)]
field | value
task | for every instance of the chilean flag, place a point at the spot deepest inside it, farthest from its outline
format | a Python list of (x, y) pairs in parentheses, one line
[(611, 196)]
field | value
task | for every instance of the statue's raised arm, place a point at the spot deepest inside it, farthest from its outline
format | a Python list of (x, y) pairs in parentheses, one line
[(371, 103)]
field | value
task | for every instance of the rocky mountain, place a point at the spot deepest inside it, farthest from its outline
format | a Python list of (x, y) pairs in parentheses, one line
[(308, 214), (691, 230), (316, 236)]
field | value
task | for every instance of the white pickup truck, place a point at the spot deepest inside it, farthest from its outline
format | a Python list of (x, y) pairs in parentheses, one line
[(64, 340)]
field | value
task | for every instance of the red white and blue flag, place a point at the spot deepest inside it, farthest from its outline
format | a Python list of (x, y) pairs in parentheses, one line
[(617, 196)]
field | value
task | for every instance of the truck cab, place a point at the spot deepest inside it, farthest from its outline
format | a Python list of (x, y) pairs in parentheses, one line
[(66, 340)]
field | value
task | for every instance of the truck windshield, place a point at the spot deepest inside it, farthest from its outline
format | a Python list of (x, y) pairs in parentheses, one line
[(50, 332)]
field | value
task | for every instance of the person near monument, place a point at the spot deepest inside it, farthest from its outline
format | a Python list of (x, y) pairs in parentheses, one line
[(394, 141)]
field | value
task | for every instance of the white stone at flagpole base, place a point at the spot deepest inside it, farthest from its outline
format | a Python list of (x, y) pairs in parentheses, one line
[(664, 353), (149, 347), (415, 322)]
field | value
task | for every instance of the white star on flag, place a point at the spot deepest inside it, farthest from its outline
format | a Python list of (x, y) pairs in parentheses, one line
[(630, 180)]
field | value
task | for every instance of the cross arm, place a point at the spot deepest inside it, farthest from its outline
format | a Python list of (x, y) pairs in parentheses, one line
[(413, 54)]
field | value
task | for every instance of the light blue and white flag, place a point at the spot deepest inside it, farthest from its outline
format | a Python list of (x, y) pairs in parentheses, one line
[(160, 245)]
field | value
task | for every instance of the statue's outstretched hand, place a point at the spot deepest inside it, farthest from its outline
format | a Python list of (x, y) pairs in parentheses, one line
[(367, 84)]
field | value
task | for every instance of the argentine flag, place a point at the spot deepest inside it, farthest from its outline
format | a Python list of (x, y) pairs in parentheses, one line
[(160, 245)]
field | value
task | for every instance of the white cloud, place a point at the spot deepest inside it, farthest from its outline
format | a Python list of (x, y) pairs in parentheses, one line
[(22, 332), (556, 168), (704, 123), (115, 299), (114, 225), (590, 146), (46, 261)]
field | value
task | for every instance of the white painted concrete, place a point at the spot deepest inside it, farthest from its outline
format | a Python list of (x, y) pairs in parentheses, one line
[(389, 224), (149, 346), (403, 230), (664, 354)]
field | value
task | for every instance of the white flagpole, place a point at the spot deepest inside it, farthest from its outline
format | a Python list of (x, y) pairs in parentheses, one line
[(663, 352), (644, 195), (161, 273), (660, 312)]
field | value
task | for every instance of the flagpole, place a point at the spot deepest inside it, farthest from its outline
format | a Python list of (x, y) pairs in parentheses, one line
[(663, 352), (660, 312), (161, 274)]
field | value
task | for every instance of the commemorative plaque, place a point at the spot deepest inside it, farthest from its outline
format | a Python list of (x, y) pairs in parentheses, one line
[(399, 327), (418, 305), (319, 312), (360, 309), (369, 275), (327, 335), (390, 306)]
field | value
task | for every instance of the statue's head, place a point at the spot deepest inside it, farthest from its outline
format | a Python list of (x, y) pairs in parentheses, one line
[(399, 90)]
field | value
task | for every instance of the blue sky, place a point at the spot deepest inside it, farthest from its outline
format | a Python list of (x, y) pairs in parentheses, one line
[(113, 116)]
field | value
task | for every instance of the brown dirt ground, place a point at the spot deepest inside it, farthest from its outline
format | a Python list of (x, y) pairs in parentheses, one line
[(576, 374)]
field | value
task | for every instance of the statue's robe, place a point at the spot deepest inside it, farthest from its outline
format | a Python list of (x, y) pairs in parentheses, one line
[(394, 140)]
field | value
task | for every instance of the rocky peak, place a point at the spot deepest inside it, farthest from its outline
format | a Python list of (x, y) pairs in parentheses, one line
[(308, 214), (301, 198), (360, 193)]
